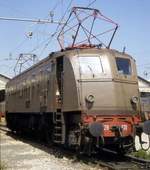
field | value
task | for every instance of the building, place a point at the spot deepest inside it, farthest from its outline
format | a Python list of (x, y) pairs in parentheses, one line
[(144, 88), (3, 81), (144, 85)]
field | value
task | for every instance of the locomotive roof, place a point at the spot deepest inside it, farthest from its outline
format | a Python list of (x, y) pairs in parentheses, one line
[(70, 51)]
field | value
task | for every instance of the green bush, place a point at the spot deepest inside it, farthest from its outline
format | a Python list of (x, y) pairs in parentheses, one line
[(142, 154)]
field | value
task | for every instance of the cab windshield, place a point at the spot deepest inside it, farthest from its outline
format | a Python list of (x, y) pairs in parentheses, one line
[(90, 67)]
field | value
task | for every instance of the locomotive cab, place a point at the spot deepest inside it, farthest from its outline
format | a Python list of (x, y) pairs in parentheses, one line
[(107, 94), (107, 78)]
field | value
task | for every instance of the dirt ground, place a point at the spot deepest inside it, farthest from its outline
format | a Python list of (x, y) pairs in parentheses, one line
[(17, 154)]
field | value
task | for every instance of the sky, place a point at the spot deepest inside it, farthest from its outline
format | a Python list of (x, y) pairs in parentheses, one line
[(133, 17)]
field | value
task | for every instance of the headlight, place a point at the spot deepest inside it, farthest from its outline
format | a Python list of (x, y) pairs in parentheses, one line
[(89, 98), (134, 99)]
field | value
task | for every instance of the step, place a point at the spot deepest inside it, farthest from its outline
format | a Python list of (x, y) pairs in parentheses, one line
[(58, 120), (57, 141), (58, 113), (57, 134)]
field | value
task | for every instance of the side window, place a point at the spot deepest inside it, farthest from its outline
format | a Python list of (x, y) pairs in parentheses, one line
[(123, 66)]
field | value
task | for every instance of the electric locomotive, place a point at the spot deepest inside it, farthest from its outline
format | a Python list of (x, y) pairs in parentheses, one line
[(78, 96), (84, 97)]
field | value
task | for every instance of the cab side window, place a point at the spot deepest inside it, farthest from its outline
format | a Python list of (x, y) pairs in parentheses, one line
[(123, 66)]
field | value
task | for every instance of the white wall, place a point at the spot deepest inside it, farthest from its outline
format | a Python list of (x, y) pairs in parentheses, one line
[(3, 82), (143, 86)]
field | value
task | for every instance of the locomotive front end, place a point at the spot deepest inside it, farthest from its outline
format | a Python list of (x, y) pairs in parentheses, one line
[(108, 97)]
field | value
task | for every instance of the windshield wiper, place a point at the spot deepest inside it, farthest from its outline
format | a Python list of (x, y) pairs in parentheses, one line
[(91, 71)]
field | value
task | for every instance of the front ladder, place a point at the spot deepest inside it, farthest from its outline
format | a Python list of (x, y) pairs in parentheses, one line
[(59, 128)]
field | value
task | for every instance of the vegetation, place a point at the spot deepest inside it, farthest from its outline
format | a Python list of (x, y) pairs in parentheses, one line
[(142, 154)]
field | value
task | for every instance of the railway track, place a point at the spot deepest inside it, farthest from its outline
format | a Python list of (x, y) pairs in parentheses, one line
[(116, 162), (145, 164), (113, 161), (106, 158)]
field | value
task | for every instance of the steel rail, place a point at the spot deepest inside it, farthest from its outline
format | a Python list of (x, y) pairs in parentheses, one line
[(141, 161)]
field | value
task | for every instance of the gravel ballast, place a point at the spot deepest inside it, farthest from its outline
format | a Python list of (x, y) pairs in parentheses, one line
[(22, 155)]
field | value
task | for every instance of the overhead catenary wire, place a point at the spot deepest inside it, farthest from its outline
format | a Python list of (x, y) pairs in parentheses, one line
[(27, 37), (33, 50), (53, 9), (52, 35), (57, 28), (39, 45), (56, 5), (43, 21), (67, 10), (56, 31), (46, 45), (35, 21), (40, 21), (91, 3)]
